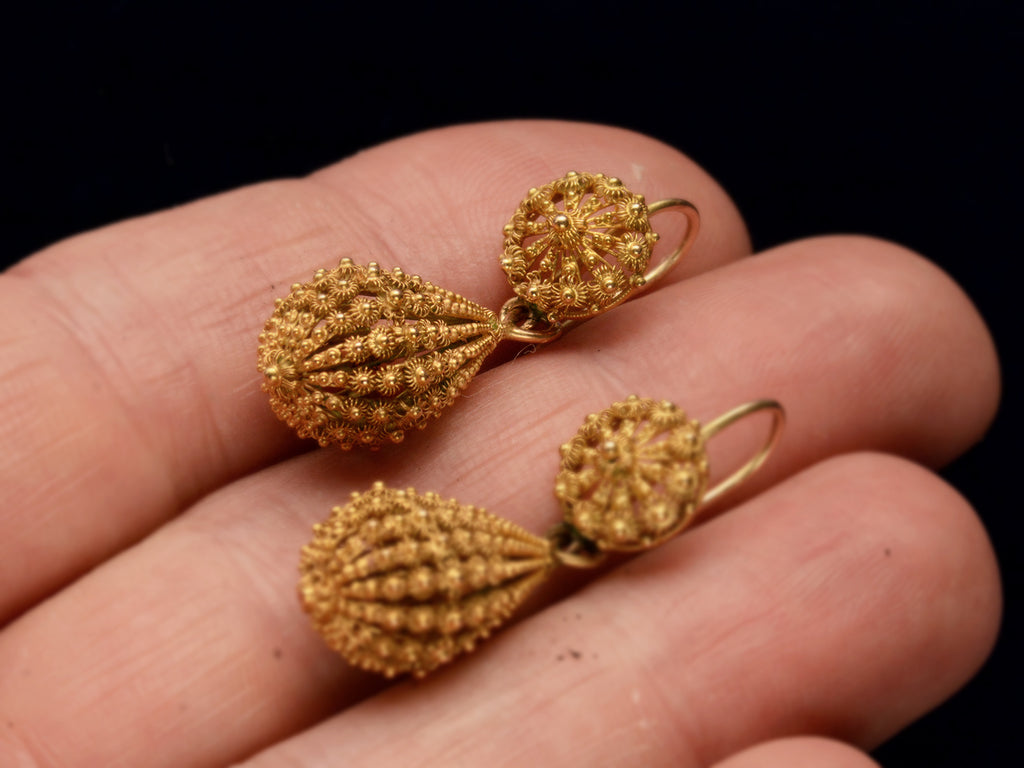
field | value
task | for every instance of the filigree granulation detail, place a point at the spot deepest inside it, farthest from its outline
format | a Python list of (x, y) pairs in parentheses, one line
[(360, 355), (578, 246), (633, 475), (399, 582)]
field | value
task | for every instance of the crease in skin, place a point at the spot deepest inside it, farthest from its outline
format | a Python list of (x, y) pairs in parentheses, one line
[(98, 352), (20, 750), (403, 247), (173, 708), (16, 389), (42, 491)]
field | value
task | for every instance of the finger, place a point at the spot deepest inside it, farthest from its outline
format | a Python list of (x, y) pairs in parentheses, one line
[(800, 752), (128, 387), (864, 343), (844, 602), (499, 452)]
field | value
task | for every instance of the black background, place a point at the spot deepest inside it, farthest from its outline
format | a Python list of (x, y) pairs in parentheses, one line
[(889, 119)]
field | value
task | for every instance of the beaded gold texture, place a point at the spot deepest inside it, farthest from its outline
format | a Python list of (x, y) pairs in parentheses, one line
[(360, 355), (633, 474), (400, 582), (577, 246)]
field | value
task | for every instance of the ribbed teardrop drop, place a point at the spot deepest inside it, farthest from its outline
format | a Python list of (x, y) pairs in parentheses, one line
[(360, 355), (399, 582)]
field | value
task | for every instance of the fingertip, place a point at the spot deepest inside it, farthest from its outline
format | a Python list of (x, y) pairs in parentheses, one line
[(799, 752), (921, 345), (921, 554)]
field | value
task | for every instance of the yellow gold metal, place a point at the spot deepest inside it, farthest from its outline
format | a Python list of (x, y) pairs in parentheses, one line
[(633, 474), (360, 355), (580, 245), (519, 323), (400, 582), (729, 418), (636, 473), (689, 210), (524, 322)]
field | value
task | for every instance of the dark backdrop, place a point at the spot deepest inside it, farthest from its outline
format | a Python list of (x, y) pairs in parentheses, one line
[(818, 117)]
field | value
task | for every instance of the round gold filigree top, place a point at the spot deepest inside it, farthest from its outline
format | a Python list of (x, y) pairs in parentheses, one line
[(633, 475), (577, 246)]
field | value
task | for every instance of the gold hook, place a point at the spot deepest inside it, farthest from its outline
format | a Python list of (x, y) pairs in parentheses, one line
[(693, 227), (729, 418)]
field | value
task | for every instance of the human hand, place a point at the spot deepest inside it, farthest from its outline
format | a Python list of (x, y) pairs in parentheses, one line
[(153, 508)]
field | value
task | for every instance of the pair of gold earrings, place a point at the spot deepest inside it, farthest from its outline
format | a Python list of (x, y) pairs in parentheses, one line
[(401, 582)]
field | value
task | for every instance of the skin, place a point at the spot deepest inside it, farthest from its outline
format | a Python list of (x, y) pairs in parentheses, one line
[(152, 508)]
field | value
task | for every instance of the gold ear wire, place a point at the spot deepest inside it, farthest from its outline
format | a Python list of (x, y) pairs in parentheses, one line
[(689, 210), (729, 418)]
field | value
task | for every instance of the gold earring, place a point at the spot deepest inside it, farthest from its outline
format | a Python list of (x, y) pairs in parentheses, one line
[(360, 355), (400, 582)]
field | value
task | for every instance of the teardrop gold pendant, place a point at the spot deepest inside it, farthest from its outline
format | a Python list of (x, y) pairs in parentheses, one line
[(400, 582), (359, 355)]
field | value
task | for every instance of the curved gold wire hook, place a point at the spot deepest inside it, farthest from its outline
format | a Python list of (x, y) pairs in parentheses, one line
[(729, 418), (693, 227)]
